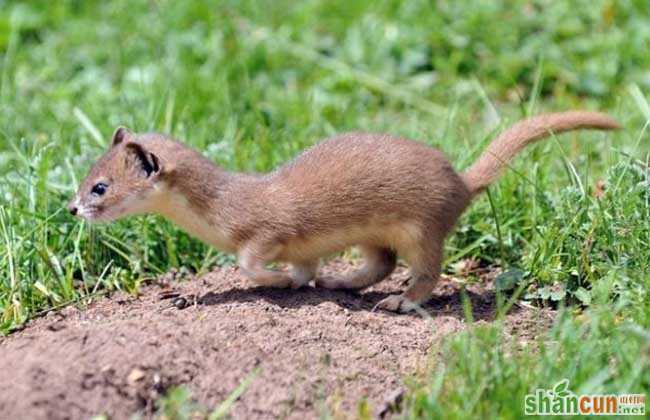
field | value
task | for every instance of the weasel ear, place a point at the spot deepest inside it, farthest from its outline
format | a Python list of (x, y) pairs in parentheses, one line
[(146, 162), (121, 134)]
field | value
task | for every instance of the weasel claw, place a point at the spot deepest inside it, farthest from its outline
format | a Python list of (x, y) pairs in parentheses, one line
[(395, 303)]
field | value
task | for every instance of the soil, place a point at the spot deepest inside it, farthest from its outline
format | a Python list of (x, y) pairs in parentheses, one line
[(313, 351)]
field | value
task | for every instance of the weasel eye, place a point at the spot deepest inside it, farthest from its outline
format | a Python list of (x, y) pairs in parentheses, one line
[(99, 188)]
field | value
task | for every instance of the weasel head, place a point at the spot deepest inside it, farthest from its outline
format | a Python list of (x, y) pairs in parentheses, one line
[(126, 180)]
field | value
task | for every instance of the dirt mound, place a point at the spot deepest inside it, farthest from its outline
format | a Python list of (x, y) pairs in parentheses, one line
[(315, 350)]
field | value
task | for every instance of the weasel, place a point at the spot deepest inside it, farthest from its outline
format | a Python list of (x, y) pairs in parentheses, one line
[(387, 195)]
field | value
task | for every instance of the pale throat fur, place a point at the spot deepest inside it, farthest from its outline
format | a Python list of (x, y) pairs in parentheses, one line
[(205, 201)]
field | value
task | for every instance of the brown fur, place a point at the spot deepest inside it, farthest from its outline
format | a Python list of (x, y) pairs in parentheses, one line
[(388, 195), (491, 163)]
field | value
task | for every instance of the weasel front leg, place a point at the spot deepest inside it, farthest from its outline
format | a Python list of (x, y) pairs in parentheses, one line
[(253, 259), (303, 272)]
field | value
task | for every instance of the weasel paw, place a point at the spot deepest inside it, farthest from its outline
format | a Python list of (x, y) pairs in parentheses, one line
[(330, 283), (282, 284), (298, 284), (395, 303)]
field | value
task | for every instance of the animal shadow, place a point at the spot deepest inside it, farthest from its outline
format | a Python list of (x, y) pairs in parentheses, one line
[(443, 300)]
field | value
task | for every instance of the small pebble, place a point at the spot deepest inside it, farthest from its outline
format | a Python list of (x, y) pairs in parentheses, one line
[(180, 303), (135, 375)]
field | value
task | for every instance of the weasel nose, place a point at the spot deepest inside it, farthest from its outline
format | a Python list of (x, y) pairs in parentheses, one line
[(73, 209)]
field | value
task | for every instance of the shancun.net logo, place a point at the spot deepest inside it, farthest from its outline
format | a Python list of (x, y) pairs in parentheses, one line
[(562, 401)]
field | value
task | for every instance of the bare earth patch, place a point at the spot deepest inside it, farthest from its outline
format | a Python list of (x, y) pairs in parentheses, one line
[(316, 350)]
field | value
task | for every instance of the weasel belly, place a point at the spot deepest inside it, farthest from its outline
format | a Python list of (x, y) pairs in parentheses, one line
[(315, 245)]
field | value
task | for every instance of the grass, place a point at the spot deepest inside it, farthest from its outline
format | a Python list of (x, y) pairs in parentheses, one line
[(253, 83), (487, 375)]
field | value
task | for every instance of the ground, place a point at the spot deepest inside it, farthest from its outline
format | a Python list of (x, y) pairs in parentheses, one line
[(314, 351), (251, 84)]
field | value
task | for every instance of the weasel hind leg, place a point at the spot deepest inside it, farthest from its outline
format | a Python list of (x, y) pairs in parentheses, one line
[(379, 264), (425, 264)]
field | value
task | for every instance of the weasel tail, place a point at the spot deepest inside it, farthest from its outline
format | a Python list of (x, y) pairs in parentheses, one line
[(501, 150)]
